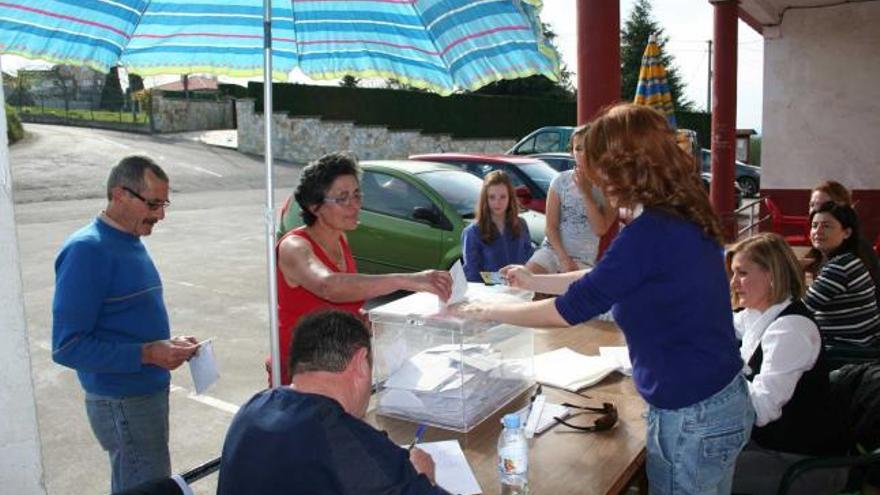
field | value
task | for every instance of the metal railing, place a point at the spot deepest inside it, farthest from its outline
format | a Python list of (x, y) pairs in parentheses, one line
[(755, 219)]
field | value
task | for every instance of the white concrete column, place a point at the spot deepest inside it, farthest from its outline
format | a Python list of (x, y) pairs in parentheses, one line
[(21, 466)]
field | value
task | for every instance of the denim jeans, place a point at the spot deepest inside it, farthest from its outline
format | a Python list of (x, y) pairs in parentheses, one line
[(693, 450), (134, 432)]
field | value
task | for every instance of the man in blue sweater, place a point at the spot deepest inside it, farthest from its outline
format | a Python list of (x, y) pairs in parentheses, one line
[(111, 326)]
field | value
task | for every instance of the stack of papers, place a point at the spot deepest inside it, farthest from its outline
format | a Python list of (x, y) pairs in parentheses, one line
[(453, 385), (620, 355), (567, 369)]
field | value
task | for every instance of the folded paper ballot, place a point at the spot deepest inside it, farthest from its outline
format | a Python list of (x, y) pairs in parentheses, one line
[(203, 367), (567, 369), (459, 284)]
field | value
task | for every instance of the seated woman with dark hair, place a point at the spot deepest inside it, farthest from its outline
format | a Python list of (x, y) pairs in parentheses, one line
[(843, 296), (785, 366)]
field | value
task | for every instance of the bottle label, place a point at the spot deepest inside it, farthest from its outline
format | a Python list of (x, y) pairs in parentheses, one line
[(512, 461)]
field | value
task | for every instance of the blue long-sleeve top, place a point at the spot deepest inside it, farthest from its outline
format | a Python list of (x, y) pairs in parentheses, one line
[(479, 256), (665, 282), (108, 303)]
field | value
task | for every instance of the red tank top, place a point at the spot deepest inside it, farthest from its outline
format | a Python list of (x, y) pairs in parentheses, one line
[(294, 302)]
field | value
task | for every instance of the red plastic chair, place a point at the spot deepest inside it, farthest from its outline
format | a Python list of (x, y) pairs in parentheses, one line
[(784, 224)]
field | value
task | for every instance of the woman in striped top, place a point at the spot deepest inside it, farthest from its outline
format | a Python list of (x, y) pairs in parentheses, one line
[(844, 293)]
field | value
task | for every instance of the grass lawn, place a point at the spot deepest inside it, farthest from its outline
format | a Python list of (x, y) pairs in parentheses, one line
[(101, 115)]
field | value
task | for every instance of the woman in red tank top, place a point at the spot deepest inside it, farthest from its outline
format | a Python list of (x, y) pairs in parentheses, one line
[(316, 269)]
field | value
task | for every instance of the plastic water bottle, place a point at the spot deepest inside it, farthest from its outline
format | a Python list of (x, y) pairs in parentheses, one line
[(513, 457)]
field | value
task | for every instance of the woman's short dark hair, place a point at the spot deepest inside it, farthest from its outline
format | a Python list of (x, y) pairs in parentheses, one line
[(326, 341), (317, 178)]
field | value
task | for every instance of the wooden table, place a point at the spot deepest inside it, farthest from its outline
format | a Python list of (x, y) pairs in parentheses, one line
[(561, 461)]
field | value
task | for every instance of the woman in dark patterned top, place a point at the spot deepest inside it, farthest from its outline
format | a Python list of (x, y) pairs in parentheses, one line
[(843, 296)]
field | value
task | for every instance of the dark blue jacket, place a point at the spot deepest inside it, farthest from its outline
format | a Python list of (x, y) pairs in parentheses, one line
[(284, 441)]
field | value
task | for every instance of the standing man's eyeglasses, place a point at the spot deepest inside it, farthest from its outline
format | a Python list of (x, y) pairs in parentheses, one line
[(152, 204)]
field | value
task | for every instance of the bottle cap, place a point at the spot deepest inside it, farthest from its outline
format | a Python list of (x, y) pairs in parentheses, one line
[(511, 421)]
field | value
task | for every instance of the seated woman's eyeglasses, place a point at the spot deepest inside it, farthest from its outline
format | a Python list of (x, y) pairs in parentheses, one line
[(345, 199), (606, 421)]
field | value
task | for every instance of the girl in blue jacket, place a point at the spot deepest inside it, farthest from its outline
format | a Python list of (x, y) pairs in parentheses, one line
[(498, 237)]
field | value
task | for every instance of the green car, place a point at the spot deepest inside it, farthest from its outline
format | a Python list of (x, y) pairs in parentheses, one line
[(412, 216)]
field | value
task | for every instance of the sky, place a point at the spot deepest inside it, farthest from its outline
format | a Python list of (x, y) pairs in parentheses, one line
[(688, 24)]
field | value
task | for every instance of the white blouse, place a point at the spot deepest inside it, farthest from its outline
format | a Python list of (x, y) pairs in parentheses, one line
[(790, 344)]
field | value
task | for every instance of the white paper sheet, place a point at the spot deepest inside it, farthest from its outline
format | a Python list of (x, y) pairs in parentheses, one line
[(203, 367), (621, 356), (451, 469), (565, 368), (459, 284)]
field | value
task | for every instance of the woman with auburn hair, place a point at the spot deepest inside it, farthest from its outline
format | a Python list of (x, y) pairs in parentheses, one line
[(498, 237), (785, 367), (663, 278), (829, 190)]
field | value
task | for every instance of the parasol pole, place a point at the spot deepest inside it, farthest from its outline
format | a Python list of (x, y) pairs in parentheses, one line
[(275, 352)]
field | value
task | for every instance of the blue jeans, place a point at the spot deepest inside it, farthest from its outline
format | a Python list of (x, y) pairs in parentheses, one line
[(693, 450), (134, 432)]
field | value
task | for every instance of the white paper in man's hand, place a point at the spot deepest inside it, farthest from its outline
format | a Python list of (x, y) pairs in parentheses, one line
[(203, 367), (459, 283)]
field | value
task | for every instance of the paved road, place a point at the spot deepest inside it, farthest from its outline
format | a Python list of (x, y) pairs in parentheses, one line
[(210, 251)]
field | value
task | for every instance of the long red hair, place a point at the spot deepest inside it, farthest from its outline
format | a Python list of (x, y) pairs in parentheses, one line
[(633, 156)]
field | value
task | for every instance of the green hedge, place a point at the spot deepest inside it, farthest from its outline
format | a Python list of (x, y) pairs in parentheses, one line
[(14, 130), (463, 115)]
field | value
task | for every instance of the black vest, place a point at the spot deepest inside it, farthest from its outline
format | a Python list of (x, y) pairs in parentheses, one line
[(809, 423)]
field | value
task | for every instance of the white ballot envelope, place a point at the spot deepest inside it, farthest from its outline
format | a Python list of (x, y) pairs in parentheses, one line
[(203, 367), (459, 284)]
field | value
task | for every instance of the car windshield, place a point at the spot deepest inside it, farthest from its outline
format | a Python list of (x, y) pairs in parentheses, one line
[(459, 189), (541, 173)]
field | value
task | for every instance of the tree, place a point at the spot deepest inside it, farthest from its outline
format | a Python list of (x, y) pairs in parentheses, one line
[(539, 86), (111, 95), (349, 81), (633, 39)]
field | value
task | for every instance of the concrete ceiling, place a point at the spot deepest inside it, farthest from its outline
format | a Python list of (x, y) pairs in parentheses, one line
[(761, 13)]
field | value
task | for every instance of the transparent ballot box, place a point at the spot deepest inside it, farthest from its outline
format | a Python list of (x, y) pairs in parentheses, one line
[(446, 371)]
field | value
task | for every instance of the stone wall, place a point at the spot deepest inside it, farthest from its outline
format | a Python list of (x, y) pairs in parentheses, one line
[(302, 139), (181, 115)]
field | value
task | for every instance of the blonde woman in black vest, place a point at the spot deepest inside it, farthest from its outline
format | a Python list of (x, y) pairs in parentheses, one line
[(785, 367)]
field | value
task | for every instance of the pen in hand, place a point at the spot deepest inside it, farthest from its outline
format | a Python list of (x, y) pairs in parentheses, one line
[(419, 432)]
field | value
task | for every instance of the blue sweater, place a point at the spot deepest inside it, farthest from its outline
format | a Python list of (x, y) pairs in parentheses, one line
[(666, 283), (479, 256), (108, 302)]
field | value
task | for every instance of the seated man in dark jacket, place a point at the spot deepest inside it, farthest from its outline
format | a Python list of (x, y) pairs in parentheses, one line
[(309, 438)]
